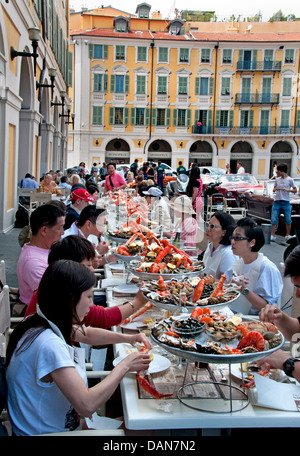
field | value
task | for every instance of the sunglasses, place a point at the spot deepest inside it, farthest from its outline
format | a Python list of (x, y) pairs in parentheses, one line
[(211, 225), (238, 238)]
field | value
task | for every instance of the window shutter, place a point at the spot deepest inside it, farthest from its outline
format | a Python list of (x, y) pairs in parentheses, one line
[(96, 83), (230, 118), (175, 120), (154, 118), (113, 83), (197, 111), (132, 116), (126, 116), (91, 51), (147, 116), (211, 86), (126, 83), (69, 69), (197, 85), (105, 51), (241, 55), (209, 118), (111, 115), (105, 83), (168, 117), (251, 113), (218, 115), (188, 117)]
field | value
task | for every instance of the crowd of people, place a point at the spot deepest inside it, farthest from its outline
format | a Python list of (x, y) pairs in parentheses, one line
[(67, 245)]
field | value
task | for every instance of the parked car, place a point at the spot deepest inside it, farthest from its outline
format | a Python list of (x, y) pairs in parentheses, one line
[(232, 185)]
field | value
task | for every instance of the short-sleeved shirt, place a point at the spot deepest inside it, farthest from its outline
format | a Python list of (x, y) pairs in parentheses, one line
[(160, 170), (36, 407), (32, 263), (116, 179), (29, 183), (283, 195), (181, 170)]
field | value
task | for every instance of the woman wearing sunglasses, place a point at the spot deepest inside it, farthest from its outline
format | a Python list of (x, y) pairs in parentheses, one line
[(218, 256), (259, 279)]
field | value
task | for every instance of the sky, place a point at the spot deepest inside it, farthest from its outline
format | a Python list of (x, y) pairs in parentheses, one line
[(222, 8)]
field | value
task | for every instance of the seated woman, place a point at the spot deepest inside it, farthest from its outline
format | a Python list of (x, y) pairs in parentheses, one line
[(82, 251), (47, 384), (218, 256), (259, 279), (49, 186)]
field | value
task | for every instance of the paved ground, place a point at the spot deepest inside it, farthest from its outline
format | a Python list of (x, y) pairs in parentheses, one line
[(10, 251)]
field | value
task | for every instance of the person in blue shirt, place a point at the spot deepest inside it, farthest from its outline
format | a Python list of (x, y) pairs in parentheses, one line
[(28, 182)]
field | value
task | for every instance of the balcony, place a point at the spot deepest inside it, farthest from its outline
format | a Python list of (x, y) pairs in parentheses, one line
[(257, 98), (242, 131), (254, 65)]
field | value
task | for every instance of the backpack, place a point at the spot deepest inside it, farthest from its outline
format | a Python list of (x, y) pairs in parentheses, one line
[(22, 217)]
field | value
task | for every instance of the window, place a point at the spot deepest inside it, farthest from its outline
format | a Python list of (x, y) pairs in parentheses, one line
[(141, 54), (182, 86), (287, 87), (162, 85), (144, 12), (97, 115), (184, 55), (118, 116), (224, 118), (140, 116), (98, 51), (161, 117), (285, 118), (246, 119), (205, 55), (100, 82), (141, 84), (225, 86), (162, 54), (121, 27), (182, 117), (227, 56), (204, 85), (289, 56), (120, 52), (119, 83)]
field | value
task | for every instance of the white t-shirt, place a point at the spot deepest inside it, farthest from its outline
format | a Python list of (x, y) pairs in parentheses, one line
[(218, 261), (36, 407), (241, 170), (283, 195), (75, 231)]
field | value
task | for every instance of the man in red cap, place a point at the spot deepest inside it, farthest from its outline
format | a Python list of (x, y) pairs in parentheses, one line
[(80, 198)]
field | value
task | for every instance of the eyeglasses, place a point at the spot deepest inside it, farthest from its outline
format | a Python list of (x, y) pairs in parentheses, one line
[(238, 238), (211, 225)]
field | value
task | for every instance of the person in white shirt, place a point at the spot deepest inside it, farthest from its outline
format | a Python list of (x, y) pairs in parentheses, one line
[(241, 169), (284, 185), (47, 385), (218, 256), (259, 279)]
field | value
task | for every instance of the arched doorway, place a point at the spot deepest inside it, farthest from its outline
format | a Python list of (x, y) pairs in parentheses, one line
[(241, 152), (118, 151), (281, 152), (160, 150), (201, 152)]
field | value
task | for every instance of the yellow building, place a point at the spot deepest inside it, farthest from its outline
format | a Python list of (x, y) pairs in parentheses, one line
[(35, 71), (150, 88)]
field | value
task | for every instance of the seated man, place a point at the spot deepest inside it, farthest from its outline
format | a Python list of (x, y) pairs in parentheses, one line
[(46, 224), (91, 225), (80, 198)]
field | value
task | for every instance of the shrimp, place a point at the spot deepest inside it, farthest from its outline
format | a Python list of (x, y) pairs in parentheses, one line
[(219, 287)]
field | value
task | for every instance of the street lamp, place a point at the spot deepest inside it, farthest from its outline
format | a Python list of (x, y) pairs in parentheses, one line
[(52, 74), (34, 36)]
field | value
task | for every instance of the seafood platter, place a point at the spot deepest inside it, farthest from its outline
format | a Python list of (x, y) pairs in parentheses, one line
[(190, 292), (223, 339)]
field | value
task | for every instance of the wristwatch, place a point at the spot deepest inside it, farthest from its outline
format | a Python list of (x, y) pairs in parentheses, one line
[(289, 366), (245, 291)]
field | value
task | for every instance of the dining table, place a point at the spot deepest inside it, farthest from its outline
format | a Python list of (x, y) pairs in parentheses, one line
[(205, 396)]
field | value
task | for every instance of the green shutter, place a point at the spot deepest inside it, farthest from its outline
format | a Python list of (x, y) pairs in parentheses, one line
[(241, 55), (251, 114), (211, 86), (111, 116), (218, 115), (96, 83), (298, 118), (154, 116), (126, 116), (69, 68), (147, 116), (188, 117), (112, 83), (105, 83), (230, 118), (175, 120), (105, 51), (168, 117), (209, 118), (197, 85), (126, 83), (132, 116), (197, 111), (97, 115), (91, 51)]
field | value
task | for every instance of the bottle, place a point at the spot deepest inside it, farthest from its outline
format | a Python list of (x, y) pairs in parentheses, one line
[(177, 239)]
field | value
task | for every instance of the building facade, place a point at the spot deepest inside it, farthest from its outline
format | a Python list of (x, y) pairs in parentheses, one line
[(170, 90), (35, 71)]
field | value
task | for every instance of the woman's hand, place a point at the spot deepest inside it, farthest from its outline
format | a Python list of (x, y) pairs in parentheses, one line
[(136, 361), (142, 339), (241, 281)]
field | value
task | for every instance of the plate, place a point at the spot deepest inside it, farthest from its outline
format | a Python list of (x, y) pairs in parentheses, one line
[(126, 258), (116, 239), (158, 364), (126, 289)]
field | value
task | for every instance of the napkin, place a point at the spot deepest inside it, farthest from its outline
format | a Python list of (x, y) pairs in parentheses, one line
[(271, 394), (102, 422)]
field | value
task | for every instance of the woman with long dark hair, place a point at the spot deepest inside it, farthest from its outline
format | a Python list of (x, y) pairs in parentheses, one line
[(47, 385), (194, 190)]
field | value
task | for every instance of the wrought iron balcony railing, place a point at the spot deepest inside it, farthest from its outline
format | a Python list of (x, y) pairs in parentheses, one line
[(256, 98), (258, 130), (254, 65)]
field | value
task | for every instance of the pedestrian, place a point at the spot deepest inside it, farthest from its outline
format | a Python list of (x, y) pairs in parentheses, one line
[(194, 190), (134, 167), (227, 167), (284, 185), (241, 169), (160, 172), (103, 171), (181, 169), (113, 180)]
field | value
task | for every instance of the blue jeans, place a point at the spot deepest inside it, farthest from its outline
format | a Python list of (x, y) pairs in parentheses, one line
[(160, 182), (285, 206)]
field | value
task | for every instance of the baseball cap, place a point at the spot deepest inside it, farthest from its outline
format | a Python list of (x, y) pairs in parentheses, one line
[(81, 193), (153, 191)]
